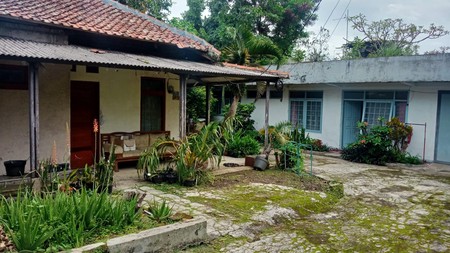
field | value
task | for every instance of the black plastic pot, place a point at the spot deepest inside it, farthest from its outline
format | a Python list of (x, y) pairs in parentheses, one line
[(170, 178), (15, 168), (189, 182), (158, 179), (261, 163)]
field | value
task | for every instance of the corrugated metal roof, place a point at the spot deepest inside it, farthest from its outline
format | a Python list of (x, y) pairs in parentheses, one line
[(44, 52), (104, 17)]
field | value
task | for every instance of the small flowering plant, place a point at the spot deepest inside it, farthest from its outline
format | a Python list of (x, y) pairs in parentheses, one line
[(363, 126)]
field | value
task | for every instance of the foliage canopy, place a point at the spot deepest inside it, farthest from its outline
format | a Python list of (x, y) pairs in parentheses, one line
[(388, 37)]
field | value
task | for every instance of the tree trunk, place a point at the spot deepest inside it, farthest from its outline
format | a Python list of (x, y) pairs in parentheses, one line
[(233, 107)]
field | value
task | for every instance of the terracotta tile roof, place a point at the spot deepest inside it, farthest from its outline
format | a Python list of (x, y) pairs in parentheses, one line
[(278, 73), (102, 16)]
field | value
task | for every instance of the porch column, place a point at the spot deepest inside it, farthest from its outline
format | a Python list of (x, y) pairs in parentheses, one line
[(266, 119), (183, 97), (208, 106), (33, 87)]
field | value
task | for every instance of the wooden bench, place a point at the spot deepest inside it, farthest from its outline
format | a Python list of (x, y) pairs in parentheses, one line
[(125, 151)]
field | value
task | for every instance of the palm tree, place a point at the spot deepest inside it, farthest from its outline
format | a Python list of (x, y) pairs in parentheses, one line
[(248, 49)]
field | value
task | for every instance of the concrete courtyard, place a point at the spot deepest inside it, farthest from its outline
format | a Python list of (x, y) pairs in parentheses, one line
[(385, 209)]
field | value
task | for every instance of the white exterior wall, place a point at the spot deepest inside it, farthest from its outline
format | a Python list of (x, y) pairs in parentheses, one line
[(279, 111), (120, 98), (422, 108), (54, 100), (423, 76), (119, 105)]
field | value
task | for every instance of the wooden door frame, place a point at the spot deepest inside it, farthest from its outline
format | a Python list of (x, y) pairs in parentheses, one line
[(97, 112)]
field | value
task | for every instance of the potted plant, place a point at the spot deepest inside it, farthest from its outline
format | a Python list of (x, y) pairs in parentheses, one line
[(278, 136), (149, 162), (170, 176), (15, 168)]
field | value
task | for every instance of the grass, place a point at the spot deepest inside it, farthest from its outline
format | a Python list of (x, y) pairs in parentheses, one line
[(61, 220), (243, 202), (363, 223)]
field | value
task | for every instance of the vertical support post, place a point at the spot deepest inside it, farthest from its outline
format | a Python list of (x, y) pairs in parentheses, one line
[(424, 141), (208, 102), (266, 120), (183, 97), (33, 87)]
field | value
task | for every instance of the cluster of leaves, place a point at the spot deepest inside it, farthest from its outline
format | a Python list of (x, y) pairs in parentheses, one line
[(291, 157), (191, 155), (284, 131), (98, 176), (388, 37), (381, 144), (59, 221), (250, 31), (243, 145), (159, 211), (242, 118), (196, 101), (159, 9)]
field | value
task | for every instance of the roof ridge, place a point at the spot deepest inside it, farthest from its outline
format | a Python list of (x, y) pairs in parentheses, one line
[(162, 24)]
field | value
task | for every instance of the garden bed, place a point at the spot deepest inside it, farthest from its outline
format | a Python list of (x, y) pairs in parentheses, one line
[(160, 239), (60, 220)]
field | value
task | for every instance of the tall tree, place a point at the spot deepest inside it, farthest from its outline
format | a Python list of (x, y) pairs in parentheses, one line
[(315, 47), (247, 49), (159, 9), (388, 37), (282, 21), (194, 14)]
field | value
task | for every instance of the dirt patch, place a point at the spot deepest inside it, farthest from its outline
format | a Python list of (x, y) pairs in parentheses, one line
[(273, 176), (397, 188)]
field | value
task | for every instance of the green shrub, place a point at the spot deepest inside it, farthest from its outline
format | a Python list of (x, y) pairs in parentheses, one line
[(291, 157), (243, 146), (243, 116), (60, 221), (317, 145), (402, 157), (159, 212), (381, 144)]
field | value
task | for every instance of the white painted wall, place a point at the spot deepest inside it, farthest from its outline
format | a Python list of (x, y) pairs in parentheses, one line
[(119, 104), (54, 113), (423, 76), (279, 111), (422, 109), (120, 98)]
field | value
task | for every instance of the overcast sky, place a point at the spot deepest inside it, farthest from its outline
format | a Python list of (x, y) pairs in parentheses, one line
[(419, 12)]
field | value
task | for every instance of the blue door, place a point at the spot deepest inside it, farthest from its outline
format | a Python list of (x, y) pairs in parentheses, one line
[(352, 114), (442, 153)]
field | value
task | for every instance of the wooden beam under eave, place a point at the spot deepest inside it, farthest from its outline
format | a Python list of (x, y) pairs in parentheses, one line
[(183, 98), (208, 106), (33, 87)]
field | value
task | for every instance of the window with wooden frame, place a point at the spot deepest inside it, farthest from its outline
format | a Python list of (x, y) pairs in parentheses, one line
[(153, 101), (13, 77)]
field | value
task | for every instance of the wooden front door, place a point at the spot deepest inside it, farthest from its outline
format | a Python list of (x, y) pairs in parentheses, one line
[(84, 108)]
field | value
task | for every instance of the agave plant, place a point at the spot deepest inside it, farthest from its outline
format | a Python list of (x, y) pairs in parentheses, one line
[(159, 212), (193, 155)]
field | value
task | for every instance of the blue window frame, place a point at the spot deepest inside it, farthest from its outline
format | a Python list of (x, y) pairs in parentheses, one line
[(305, 109)]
